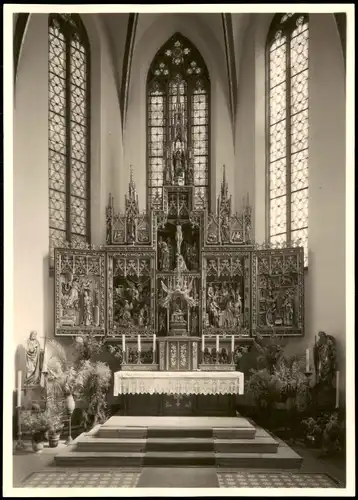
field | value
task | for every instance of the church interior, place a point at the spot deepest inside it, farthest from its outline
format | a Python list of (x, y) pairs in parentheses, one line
[(179, 258)]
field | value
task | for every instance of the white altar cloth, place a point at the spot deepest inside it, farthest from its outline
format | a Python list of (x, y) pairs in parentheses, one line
[(195, 382)]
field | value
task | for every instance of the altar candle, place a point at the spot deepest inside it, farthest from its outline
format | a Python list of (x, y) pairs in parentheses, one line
[(307, 360), (337, 389), (232, 343), (217, 343), (123, 343), (154, 341), (19, 388), (203, 343), (138, 343)]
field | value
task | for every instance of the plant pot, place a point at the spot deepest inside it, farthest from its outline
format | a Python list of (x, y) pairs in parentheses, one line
[(312, 441), (38, 441), (53, 439)]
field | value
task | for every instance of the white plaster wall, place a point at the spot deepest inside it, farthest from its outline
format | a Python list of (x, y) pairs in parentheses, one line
[(325, 277), (152, 33), (33, 288)]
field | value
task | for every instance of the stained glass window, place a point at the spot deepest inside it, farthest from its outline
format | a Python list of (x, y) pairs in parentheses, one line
[(287, 64), (68, 131), (178, 64)]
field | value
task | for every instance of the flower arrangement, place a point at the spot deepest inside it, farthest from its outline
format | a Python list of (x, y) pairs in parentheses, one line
[(93, 381), (270, 351)]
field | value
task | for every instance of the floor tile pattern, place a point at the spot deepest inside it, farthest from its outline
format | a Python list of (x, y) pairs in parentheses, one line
[(274, 480), (82, 479)]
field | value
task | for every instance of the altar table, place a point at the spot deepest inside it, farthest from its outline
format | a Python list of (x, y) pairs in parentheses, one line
[(178, 383)]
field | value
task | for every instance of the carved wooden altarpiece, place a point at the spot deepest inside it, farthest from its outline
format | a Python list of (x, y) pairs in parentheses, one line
[(180, 284)]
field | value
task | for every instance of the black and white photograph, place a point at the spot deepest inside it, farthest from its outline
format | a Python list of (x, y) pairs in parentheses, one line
[(179, 250)]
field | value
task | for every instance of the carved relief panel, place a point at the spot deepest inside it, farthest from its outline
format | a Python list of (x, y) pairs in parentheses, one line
[(226, 292), (79, 291), (278, 291), (130, 293)]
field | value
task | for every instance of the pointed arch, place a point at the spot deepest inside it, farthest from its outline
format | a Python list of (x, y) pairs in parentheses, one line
[(69, 130), (178, 62)]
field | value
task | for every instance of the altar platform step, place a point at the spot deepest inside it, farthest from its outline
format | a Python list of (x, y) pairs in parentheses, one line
[(170, 446), (285, 458), (264, 444)]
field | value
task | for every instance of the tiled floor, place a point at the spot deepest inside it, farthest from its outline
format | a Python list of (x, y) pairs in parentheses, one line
[(38, 470), (274, 480), (83, 479)]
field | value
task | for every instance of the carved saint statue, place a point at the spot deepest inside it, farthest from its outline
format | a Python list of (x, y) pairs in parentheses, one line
[(131, 229), (181, 265), (225, 229), (325, 358), (287, 307), (179, 238), (73, 296), (33, 358), (238, 309), (164, 256), (87, 308)]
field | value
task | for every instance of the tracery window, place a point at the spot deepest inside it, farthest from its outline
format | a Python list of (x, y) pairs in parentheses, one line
[(69, 131), (178, 62), (287, 95)]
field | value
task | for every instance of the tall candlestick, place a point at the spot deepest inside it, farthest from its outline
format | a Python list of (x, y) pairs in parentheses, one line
[(154, 342), (217, 343), (232, 343), (123, 343), (203, 343), (138, 343), (19, 389), (337, 389), (307, 360)]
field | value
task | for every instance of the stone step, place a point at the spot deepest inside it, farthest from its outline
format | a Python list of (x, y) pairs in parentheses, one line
[(122, 432), (285, 458), (179, 459), (263, 444), (234, 433), (172, 433), (111, 445)]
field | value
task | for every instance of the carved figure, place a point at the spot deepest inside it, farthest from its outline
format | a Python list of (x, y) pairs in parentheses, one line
[(73, 296), (238, 309), (179, 238), (228, 316), (181, 265), (131, 229), (164, 256), (127, 315), (33, 354), (194, 322), (287, 307), (87, 308), (325, 358), (225, 229)]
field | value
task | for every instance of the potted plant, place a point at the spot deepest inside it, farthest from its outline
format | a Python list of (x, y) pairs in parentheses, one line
[(93, 381), (56, 416), (37, 423), (270, 351)]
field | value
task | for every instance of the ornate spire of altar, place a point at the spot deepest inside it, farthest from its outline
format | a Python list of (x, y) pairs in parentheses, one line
[(131, 200), (224, 199)]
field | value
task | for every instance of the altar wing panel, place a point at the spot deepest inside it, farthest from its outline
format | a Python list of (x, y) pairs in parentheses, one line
[(278, 291), (79, 292), (130, 292)]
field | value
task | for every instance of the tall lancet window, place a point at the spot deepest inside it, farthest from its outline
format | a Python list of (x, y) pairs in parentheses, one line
[(287, 99), (178, 118), (69, 132)]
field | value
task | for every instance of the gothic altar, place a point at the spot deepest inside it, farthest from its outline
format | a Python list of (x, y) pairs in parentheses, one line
[(181, 286)]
